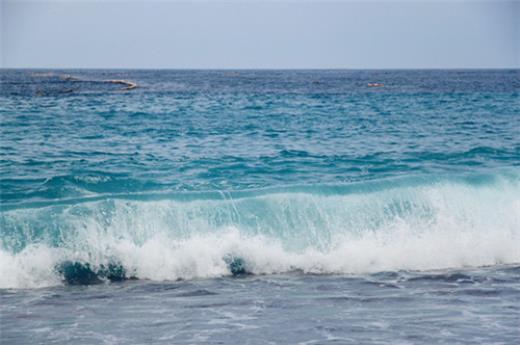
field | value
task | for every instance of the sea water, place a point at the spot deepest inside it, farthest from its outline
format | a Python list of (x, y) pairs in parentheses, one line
[(253, 207)]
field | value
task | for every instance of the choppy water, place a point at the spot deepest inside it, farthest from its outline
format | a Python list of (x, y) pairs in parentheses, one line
[(254, 206)]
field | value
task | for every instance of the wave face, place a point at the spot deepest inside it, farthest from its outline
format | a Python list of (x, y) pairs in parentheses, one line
[(402, 224)]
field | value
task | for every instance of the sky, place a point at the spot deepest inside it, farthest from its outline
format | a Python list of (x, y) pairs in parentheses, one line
[(270, 34)]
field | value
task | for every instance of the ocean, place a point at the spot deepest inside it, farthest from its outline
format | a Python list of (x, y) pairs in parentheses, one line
[(260, 207)]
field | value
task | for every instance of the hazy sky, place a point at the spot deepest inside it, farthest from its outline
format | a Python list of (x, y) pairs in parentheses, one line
[(272, 34)]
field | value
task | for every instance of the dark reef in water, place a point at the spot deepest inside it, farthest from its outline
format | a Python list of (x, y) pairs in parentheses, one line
[(237, 266), (53, 83), (78, 273), (83, 273)]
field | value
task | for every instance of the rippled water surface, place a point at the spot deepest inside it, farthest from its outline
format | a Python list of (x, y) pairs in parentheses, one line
[(260, 206)]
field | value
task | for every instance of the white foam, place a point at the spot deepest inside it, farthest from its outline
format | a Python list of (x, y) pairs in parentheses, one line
[(416, 228)]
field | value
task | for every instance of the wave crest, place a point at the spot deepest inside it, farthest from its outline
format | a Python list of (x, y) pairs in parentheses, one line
[(415, 227)]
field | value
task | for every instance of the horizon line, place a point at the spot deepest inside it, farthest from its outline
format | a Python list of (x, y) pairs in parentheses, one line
[(263, 68)]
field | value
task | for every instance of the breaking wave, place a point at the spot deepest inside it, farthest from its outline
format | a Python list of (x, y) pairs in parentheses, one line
[(387, 226)]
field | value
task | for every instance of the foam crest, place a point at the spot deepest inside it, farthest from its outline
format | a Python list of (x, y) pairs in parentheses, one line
[(205, 257), (419, 227)]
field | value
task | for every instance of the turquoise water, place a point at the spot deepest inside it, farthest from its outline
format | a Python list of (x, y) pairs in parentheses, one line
[(286, 189)]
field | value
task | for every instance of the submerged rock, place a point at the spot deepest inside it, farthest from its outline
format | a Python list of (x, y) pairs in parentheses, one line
[(78, 273), (237, 266), (113, 272)]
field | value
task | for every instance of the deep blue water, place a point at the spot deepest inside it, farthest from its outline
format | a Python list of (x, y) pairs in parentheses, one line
[(260, 206)]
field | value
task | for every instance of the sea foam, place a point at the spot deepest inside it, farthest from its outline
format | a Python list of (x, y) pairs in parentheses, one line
[(418, 227)]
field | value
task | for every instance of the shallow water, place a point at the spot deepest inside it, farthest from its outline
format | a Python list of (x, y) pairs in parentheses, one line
[(443, 307), (253, 206)]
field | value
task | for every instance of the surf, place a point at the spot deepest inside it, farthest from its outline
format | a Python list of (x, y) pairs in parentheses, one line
[(406, 224)]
